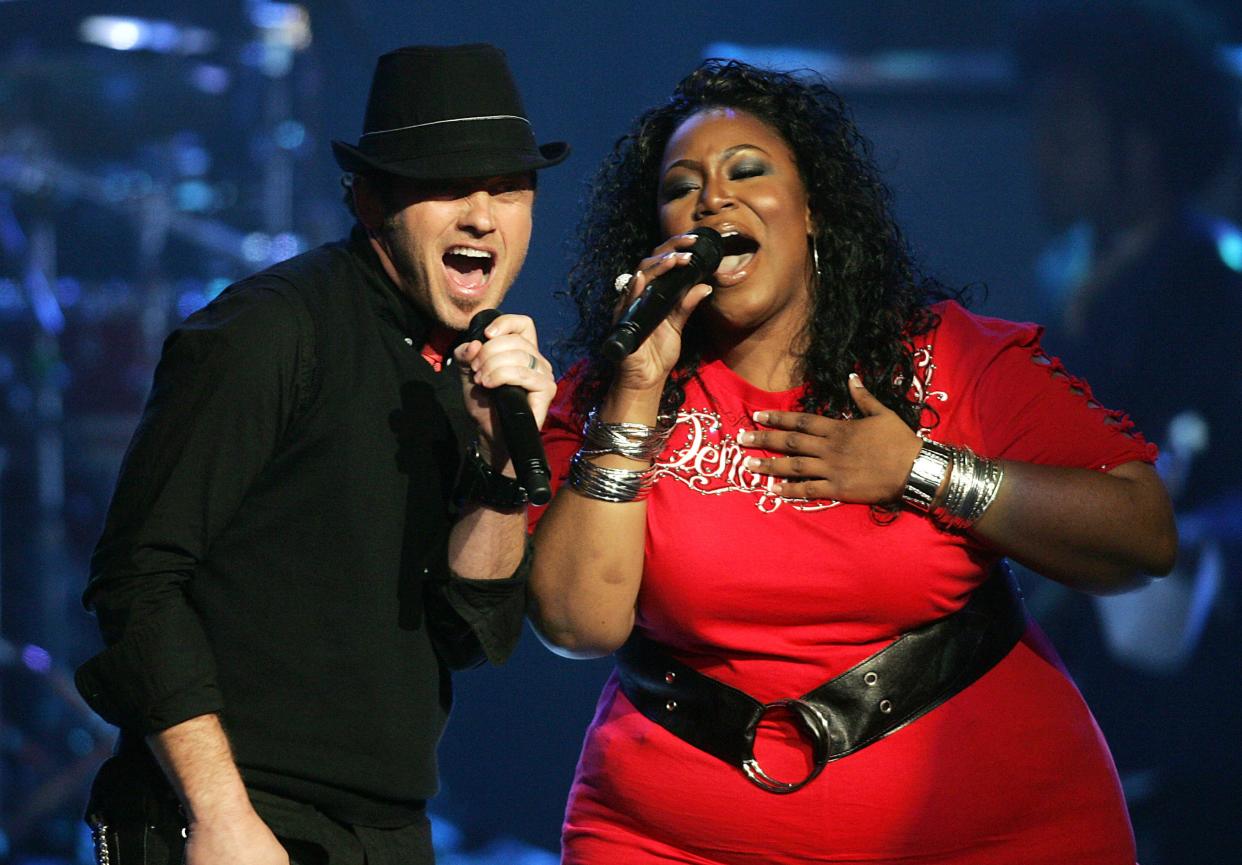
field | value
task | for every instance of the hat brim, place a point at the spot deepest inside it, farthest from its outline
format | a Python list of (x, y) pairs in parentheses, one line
[(451, 166)]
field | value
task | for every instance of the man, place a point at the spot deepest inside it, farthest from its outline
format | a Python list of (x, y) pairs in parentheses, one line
[(317, 518), (1134, 116)]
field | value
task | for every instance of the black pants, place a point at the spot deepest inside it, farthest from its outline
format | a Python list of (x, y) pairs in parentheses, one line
[(313, 838), (137, 816)]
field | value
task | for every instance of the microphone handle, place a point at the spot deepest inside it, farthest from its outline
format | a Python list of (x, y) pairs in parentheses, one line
[(650, 308), (622, 342), (661, 296), (521, 434)]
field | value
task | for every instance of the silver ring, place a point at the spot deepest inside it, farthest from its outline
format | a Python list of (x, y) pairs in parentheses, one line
[(622, 282), (534, 364)]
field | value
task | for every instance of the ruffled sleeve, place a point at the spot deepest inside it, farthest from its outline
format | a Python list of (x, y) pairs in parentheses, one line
[(1018, 402)]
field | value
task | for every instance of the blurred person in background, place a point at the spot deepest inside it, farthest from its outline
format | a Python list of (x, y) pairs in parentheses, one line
[(1134, 114)]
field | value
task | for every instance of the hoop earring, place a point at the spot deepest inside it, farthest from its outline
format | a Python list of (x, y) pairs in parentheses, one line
[(819, 276)]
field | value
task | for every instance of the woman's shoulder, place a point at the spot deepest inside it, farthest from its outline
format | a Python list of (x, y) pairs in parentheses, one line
[(959, 327), (967, 342), (563, 412), (964, 351), (571, 380)]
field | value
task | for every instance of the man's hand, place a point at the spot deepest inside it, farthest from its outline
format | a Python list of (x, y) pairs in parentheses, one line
[(509, 356), (236, 839)]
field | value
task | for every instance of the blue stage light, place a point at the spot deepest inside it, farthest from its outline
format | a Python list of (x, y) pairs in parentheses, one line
[(1229, 245)]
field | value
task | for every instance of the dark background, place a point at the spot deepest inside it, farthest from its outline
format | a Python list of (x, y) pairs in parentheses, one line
[(134, 190)]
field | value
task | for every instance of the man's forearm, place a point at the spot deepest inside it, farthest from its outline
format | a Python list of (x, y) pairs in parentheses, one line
[(487, 544), (223, 826), (198, 762)]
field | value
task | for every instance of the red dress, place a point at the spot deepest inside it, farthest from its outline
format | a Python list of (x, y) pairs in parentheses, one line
[(776, 596)]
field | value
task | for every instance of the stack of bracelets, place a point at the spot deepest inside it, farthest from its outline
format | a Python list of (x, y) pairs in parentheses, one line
[(635, 441), (973, 484)]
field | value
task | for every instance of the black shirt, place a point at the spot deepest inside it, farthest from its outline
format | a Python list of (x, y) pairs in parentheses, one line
[(276, 549)]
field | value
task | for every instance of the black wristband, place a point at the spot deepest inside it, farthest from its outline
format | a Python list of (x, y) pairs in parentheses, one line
[(479, 483)]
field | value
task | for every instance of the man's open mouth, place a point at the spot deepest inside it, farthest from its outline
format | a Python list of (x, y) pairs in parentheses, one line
[(467, 267)]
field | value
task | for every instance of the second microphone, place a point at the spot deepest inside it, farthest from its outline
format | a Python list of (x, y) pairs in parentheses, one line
[(663, 294)]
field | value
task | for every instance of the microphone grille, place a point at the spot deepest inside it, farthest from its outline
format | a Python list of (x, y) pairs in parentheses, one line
[(708, 248)]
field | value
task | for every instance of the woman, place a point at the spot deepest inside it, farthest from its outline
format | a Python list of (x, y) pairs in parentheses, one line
[(792, 524)]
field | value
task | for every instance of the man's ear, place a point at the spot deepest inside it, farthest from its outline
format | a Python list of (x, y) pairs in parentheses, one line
[(368, 203)]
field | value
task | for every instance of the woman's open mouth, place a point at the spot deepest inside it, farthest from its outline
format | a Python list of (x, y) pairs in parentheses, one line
[(739, 249)]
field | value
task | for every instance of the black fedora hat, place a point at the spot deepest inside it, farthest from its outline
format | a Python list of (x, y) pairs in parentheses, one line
[(443, 112)]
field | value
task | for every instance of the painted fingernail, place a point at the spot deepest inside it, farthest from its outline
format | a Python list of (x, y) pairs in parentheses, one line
[(745, 437), (777, 488), (855, 380), (760, 417), (752, 463)]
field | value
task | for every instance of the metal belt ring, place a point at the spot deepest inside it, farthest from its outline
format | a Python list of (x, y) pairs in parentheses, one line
[(815, 727)]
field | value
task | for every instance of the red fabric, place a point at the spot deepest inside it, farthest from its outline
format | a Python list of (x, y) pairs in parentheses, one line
[(440, 342), (775, 596)]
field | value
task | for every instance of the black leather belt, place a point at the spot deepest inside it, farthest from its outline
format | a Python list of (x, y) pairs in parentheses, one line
[(883, 693)]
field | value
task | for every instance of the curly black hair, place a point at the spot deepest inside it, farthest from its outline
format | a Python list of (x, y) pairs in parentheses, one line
[(869, 300)]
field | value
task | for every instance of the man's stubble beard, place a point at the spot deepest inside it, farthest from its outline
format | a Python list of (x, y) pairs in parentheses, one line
[(406, 261)]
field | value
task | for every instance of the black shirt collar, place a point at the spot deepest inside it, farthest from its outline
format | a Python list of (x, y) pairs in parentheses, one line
[(389, 302)]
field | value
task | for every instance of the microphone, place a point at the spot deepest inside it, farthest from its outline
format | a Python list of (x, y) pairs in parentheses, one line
[(661, 295), (517, 424)]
